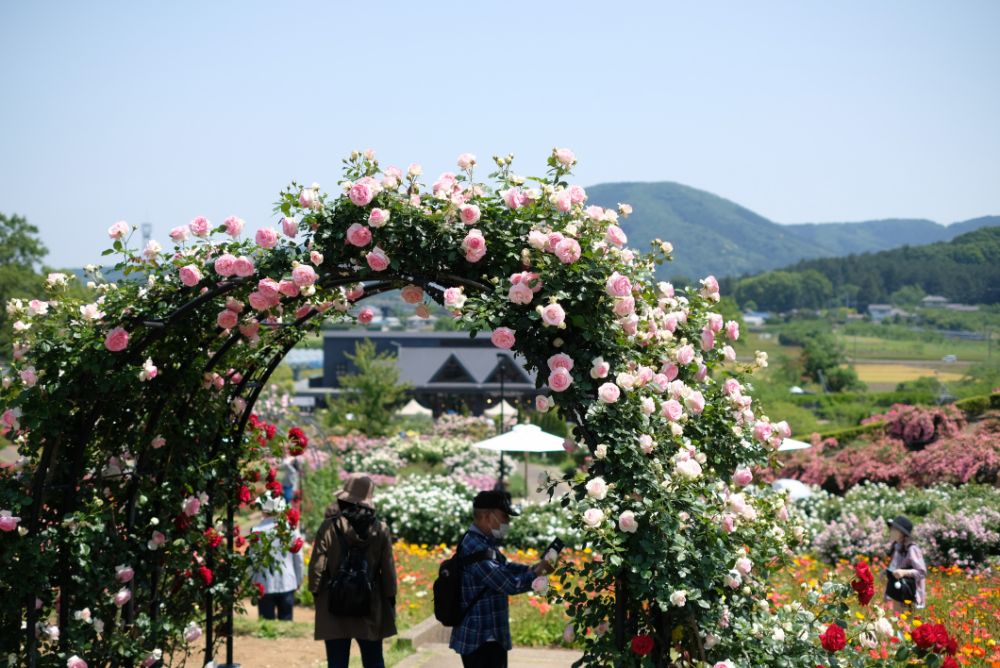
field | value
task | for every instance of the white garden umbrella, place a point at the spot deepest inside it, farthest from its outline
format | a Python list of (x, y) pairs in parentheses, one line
[(414, 408), (502, 407), (524, 438), (796, 489), (792, 444)]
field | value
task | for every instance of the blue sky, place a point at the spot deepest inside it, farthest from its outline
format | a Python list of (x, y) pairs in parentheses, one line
[(800, 110)]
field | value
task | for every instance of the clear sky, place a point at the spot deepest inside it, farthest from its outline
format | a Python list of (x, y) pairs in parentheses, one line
[(800, 110)]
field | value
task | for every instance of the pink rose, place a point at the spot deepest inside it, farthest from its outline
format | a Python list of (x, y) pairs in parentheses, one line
[(594, 212), (355, 291), (695, 402), (118, 230), (366, 315), (520, 293), (577, 194), (192, 632), (627, 522), (729, 353), (243, 267), (782, 429), (28, 376), (672, 410), (743, 476), (538, 240), (190, 275), (762, 431), (553, 315), (359, 235), (543, 403), (122, 597), (116, 340), (715, 322), (378, 217), (707, 338), (710, 288), (289, 226), (444, 185), (593, 517), (361, 193), (377, 259), (597, 488), (304, 275), (560, 361), (474, 246), (393, 175), (227, 319), (568, 251), (179, 234), (469, 214), (552, 239), (618, 285), (608, 393), (191, 505), (269, 288), (466, 161), (8, 522), (250, 330), (728, 523), (646, 443), (200, 227), (624, 306), (124, 574), (225, 265), (514, 198), (564, 156), (615, 236), (670, 371), (75, 662), (234, 226), (266, 237), (560, 380), (412, 294), (503, 337), (599, 368), (685, 354), (259, 301), (563, 202), (288, 288), (454, 298), (308, 198), (316, 257)]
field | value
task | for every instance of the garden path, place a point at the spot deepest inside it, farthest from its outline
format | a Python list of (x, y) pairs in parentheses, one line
[(440, 656)]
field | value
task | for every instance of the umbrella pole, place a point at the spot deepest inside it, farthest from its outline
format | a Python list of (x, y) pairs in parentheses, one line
[(500, 482), (526, 455)]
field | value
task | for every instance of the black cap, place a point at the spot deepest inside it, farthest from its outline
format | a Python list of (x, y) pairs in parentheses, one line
[(494, 500), (903, 524)]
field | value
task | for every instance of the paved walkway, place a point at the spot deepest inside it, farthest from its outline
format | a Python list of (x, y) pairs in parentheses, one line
[(440, 656)]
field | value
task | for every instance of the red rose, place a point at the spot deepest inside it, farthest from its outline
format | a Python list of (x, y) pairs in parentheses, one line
[(951, 647), (238, 539), (260, 589), (206, 575), (245, 494), (297, 545), (293, 516), (298, 436), (863, 583), (270, 430), (275, 487), (949, 662), (272, 474), (214, 538), (182, 521), (255, 476), (642, 645), (833, 639)]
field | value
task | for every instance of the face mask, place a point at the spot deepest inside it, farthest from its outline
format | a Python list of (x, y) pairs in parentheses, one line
[(501, 531)]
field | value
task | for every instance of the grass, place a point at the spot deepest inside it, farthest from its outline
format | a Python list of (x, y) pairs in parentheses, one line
[(270, 629), (870, 347), (900, 373)]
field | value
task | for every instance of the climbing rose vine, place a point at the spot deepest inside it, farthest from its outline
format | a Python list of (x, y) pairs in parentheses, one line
[(131, 412)]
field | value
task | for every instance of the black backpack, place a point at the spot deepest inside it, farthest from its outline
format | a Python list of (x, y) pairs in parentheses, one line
[(448, 587), (349, 592)]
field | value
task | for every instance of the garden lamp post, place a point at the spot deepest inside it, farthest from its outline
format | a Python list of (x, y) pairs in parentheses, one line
[(500, 358)]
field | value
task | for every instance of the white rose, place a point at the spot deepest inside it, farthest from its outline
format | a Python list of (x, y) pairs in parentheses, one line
[(597, 488), (678, 598)]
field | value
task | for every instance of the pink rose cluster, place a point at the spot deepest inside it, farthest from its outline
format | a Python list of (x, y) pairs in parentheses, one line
[(227, 265), (474, 246), (524, 286), (560, 366)]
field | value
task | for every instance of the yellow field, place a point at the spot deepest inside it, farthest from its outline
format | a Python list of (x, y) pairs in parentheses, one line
[(898, 373)]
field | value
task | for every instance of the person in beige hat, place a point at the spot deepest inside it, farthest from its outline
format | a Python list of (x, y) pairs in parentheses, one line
[(352, 575)]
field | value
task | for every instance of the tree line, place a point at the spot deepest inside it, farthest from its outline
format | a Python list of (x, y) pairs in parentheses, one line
[(965, 270)]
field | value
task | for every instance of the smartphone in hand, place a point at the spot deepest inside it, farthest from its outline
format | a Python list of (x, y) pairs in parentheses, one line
[(551, 553)]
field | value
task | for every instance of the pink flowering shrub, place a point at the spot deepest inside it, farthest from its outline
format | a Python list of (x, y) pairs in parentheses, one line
[(957, 456), (917, 426)]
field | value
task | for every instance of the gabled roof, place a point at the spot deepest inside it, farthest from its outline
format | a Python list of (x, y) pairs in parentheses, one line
[(429, 366)]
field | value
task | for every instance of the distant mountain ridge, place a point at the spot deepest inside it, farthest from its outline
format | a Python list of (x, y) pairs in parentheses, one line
[(713, 235)]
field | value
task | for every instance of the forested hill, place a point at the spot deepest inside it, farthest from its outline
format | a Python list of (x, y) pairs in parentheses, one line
[(965, 269), (713, 235)]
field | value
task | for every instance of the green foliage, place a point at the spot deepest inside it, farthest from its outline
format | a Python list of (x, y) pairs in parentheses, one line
[(319, 487), (908, 296), (21, 252), (372, 394)]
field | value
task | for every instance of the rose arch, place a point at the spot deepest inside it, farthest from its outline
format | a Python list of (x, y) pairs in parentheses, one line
[(132, 413)]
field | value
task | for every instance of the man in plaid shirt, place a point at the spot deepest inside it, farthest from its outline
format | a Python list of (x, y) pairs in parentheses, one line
[(483, 635)]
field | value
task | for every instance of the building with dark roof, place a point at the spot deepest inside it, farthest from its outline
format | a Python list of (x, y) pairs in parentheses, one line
[(446, 370)]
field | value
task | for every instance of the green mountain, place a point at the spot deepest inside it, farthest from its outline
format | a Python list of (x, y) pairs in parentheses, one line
[(965, 269), (876, 235), (711, 235)]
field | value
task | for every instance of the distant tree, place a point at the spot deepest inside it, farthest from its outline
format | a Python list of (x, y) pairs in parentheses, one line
[(372, 394), (908, 296), (21, 251)]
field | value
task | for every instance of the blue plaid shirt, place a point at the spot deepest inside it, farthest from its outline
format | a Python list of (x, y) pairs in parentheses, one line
[(489, 618)]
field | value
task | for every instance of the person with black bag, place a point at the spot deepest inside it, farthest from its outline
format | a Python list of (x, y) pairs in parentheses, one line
[(907, 573), (352, 575), (481, 633)]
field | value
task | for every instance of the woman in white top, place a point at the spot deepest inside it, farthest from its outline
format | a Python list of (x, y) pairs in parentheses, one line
[(284, 578), (907, 572)]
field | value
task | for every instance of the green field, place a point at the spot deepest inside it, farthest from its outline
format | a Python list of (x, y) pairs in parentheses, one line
[(870, 347)]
